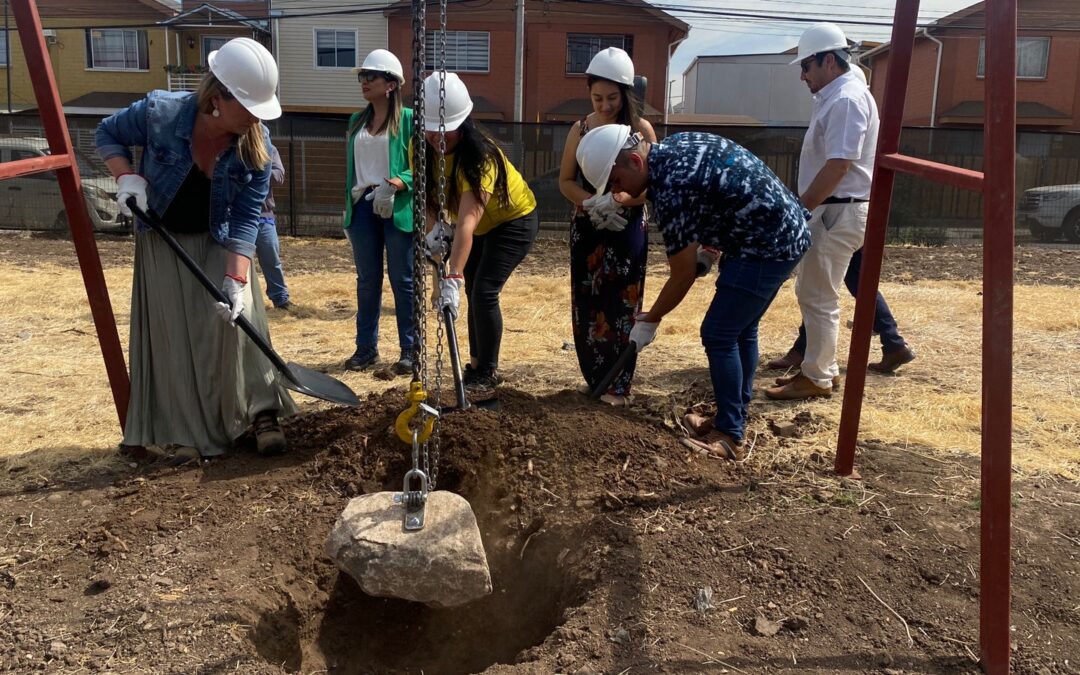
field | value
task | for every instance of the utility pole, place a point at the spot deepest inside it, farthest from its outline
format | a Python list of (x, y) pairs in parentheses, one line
[(519, 62), (7, 54)]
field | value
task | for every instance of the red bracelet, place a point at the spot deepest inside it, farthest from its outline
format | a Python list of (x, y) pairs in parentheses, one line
[(237, 277), (454, 276)]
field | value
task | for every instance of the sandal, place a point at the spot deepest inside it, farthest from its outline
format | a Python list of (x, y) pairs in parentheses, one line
[(617, 400), (715, 442), (269, 438)]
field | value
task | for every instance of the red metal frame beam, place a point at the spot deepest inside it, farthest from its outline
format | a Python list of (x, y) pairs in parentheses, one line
[(998, 249), (877, 219), (965, 179), (67, 174), (32, 165)]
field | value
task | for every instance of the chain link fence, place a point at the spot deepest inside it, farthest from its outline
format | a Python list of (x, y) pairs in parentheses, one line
[(313, 151)]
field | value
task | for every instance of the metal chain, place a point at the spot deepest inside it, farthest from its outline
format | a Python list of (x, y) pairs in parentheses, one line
[(442, 216), (419, 190)]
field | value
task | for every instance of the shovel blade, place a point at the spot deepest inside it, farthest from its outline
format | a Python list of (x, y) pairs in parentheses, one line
[(318, 385)]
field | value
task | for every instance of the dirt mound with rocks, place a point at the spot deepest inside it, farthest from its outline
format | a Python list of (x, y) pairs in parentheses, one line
[(613, 548)]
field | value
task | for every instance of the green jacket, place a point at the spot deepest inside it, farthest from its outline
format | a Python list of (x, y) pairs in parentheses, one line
[(400, 167)]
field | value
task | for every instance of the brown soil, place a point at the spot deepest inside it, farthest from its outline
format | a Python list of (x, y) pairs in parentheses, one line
[(601, 530), (1034, 264)]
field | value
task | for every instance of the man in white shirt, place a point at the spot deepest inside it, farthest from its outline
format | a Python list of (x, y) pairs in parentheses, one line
[(835, 170)]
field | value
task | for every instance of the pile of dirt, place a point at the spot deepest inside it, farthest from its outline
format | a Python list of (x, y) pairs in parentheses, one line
[(613, 548)]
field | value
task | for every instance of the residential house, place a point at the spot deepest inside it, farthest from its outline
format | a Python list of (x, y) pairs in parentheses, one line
[(764, 88), (318, 45), (947, 86), (202, 27), (561, 37), (97, 70)]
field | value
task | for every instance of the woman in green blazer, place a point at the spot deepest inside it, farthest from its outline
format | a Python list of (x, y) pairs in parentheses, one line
[(379, 208)]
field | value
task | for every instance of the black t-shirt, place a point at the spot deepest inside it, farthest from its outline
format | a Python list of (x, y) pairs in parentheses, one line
[(189, 211)]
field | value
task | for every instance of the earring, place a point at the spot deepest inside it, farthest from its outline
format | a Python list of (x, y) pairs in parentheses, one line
[(216, 113)]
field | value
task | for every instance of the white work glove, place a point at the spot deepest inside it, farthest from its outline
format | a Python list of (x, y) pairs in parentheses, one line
[(234, 291), (611, 221), (603, 211), (437, 241), (706, 258), (382, 198), (357, 192), (131, 185), (450, 294), (643, 332)]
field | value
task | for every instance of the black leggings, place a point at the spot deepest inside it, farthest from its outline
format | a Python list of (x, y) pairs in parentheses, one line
[(493, 257)]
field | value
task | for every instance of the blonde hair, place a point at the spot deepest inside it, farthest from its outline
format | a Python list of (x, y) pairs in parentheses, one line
[(250, 145)]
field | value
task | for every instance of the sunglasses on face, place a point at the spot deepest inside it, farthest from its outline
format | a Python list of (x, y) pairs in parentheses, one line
[(805, 65), (369, 76)]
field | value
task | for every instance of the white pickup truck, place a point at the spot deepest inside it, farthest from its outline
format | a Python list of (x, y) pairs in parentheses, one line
[(1051, 212)]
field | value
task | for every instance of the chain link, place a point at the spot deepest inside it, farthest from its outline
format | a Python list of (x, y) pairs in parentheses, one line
[(419, 190)]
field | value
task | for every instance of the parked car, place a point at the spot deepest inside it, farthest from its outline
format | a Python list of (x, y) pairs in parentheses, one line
[(1052, 212), (34, 202)]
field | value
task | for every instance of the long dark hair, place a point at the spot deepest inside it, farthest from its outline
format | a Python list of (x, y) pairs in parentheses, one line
[(630, 111), (393, 116), (473, 152)]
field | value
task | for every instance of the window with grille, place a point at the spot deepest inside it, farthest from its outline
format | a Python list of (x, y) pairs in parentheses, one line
[(1032, 57), (117, 49), (582, 47), (467, 51), (212, 44), (335, 48)]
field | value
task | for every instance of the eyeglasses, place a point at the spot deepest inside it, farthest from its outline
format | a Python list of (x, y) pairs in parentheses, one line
[(805, 63), (369, 76)]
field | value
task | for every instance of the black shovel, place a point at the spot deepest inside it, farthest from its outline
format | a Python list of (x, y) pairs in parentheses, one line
[(620, 365), (463, 402), (297, 377)]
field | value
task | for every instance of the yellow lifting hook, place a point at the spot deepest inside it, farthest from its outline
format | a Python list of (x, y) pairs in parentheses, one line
[(414, 398)]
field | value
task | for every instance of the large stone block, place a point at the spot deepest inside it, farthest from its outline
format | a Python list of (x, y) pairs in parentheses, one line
[(442, 565)]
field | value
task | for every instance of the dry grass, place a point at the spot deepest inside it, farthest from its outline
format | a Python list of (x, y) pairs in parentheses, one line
[(57, 404)]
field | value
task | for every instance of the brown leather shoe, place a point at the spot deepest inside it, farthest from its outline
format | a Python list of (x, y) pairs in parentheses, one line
[(781, 381), (799, 387), (716, 443), (699, 425), (893, 360), (793, 359)]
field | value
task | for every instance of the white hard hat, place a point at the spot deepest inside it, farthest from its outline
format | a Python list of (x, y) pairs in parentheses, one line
[(457, 106), (612, 64), (819, 38), (382, 61), (597, 151), (250, 74)]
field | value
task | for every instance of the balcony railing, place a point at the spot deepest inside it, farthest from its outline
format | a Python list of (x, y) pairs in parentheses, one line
[(184, 81)]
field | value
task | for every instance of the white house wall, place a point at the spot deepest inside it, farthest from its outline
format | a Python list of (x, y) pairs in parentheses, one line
[(764, 87), (301, 82)]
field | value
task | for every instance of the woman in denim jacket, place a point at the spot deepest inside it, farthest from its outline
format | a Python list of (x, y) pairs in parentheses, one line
[(379, 208), (196, 381)]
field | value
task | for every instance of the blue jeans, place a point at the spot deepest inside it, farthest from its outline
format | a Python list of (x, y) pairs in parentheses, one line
[(369, 236), (745, 288), (884, 323), (269, 252)]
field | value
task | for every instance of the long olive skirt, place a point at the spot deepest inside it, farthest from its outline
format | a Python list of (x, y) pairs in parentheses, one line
[(195, 380)]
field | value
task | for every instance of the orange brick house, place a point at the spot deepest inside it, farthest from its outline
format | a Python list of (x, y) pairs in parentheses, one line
[(560, 39), (946, 86)]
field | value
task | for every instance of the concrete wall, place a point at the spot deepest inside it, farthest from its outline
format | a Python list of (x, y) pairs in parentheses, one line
[(762, 86)]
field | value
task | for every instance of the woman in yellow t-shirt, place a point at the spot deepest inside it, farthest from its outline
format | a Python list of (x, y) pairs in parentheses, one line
[(493, 212)]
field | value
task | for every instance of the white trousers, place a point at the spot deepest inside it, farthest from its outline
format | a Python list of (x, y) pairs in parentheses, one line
[(836, 232)]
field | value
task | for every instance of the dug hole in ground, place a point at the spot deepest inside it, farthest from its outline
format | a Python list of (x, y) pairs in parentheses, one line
[(613, 548)]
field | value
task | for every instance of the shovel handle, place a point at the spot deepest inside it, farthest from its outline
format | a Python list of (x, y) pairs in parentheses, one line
[(154, 222), (620, 365)]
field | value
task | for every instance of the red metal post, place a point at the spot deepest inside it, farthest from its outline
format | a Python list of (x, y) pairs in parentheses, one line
[(998, 243), (965, 179), (892, 116), (82, 234)]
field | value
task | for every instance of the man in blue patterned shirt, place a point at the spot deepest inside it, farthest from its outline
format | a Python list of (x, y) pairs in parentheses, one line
[(708, 192)]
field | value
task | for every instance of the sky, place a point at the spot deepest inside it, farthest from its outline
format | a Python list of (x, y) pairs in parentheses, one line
[(717, 35)]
